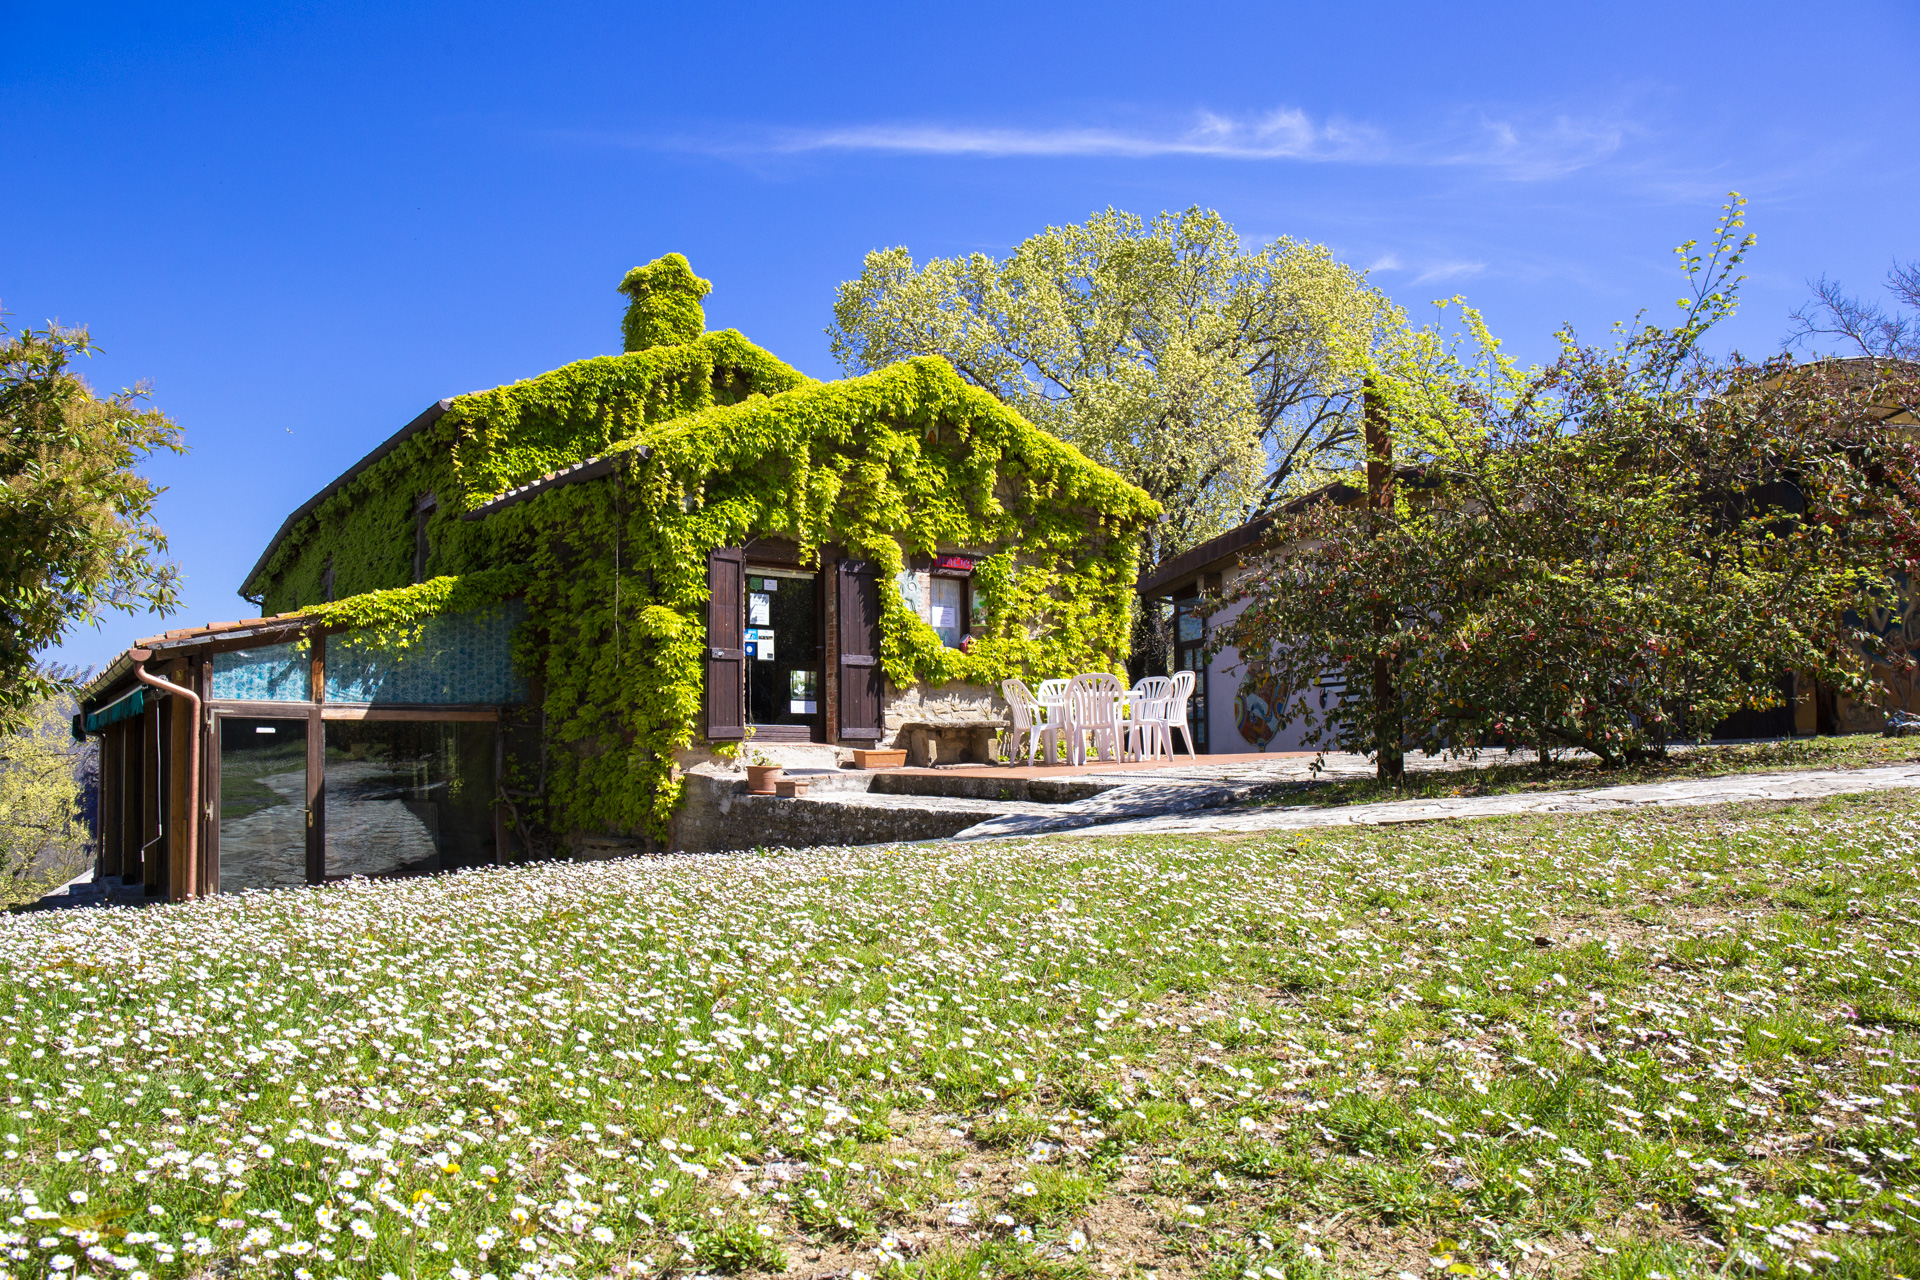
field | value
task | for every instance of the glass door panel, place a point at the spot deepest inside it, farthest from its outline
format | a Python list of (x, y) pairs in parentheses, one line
[(783, 649), (408, 796), (263, 803), (1190, 654)]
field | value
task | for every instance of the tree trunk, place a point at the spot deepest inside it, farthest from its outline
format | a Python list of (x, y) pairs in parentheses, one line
[(1389, 763)]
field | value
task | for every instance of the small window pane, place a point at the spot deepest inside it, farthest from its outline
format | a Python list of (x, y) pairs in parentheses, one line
[(457, 658), (943, 609), (270, 673)]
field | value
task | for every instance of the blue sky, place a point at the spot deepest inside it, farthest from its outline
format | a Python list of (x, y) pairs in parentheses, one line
[(302, 225)]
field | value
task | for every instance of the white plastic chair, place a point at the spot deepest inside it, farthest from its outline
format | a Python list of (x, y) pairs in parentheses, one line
[(1093, 710), (1177, 713), (1053, 696), (1030, 718), (1146, 727)]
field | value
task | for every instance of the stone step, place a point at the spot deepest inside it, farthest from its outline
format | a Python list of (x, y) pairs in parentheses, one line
[(981, 805), (976, 786), (751, 821)]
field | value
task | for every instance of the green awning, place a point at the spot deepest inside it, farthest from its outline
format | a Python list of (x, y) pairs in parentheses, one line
[(123, 708)]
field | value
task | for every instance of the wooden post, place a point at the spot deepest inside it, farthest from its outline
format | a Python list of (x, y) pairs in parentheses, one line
[(151, 851), (207, 775), (131, 767), (317, 767), (180, 723), (1389, 764), (110, 761)]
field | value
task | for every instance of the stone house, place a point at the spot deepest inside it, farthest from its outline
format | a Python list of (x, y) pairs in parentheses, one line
[(523, 624)]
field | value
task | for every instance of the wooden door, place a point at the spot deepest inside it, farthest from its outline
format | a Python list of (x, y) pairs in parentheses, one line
[(862, 683), (726, 645)]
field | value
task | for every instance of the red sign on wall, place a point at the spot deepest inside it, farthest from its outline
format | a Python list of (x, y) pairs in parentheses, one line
[(959, 564)]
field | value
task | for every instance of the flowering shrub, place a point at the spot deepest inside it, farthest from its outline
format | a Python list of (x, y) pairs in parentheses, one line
[(1270, 1057), (1610, 555)]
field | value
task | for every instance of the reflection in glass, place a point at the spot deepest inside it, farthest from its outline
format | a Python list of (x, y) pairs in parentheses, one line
[(263, 803), (406, 796)]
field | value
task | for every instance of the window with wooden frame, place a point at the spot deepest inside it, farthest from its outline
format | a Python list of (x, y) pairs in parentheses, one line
[(423, 508), (954, 606)]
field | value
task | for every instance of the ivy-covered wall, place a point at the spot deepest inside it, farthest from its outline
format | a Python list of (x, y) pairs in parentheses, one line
[(493, 441), (715, 443)]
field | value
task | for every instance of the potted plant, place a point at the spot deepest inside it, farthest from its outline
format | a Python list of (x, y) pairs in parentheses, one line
[(762, 774)]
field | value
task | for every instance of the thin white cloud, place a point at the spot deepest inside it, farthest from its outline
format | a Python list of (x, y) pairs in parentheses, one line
[(1278, 135), (1532, 151), (1518, 149), (1449, 271), (1386, 262)]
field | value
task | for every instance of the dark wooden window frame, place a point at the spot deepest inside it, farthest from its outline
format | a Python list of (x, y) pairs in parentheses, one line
[(423, 509), (965, 578)]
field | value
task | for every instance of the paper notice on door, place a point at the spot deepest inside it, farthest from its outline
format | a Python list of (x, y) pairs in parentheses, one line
[(802, 707), (759, 609), (766, 644), (942, 617)]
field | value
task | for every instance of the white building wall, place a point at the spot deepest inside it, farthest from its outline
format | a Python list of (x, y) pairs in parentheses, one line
[(1224, 679)]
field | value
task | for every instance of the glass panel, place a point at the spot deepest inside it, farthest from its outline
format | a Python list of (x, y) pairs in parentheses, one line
[(408, 796), (456, 658), (910, 591), (1190, 654), (270, 673), (783, 661), (263, 803), (943, 609)]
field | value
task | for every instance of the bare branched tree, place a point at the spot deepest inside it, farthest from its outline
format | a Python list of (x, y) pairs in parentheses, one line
[(1859, 323)]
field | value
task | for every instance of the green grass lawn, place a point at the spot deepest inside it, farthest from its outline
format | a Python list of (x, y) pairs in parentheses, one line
[(1858, 751), (1657, 1044)]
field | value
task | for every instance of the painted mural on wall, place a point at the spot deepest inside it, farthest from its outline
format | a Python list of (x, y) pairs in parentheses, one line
[(1256, 712)]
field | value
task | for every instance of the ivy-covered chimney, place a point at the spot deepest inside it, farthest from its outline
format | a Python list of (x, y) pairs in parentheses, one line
[(665, 310)]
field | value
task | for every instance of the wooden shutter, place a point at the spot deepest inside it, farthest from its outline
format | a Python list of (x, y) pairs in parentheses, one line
[(726, 647), (861, 680)]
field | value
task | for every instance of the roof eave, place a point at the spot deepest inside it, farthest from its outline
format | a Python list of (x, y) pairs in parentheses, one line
[(432, 414)]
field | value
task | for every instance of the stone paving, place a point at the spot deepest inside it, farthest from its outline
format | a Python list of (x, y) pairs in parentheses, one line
[(1807, 784), (1211, 782)]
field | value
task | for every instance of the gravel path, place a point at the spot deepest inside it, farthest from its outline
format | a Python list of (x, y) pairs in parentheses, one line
[(1807, 784)]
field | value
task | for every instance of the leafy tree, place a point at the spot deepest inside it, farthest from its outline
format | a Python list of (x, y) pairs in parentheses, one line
[(76, 528), (43, 839), (1213, 377), (1612, 553)]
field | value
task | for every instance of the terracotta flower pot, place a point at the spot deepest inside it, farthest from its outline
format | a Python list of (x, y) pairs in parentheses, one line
[(863, 759), (761, 777)]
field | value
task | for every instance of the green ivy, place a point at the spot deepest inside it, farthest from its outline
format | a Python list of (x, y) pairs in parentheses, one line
[(665, 310), (393, 616), (714, 442), (491, 442)]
